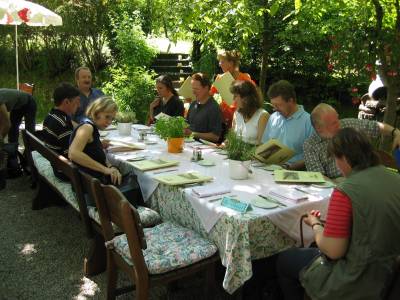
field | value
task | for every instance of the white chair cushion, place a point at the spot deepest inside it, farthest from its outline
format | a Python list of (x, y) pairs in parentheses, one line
[(147, 216), (46, 170), (169, 247)]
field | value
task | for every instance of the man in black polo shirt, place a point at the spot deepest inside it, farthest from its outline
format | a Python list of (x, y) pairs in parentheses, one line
[(204, 115), (57, 126)]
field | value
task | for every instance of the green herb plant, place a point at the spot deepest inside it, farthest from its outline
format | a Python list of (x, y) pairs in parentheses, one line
[(170, 127), (237, 149), (126, 117)]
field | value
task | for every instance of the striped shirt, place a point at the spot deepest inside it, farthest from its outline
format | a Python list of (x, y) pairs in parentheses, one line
[(316, 148), (339, 217), (57, 129)]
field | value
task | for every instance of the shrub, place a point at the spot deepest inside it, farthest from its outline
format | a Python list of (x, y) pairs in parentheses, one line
[(132, 89)]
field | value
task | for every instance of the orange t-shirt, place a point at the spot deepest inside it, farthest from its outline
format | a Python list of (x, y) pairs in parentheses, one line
[(229, 110)]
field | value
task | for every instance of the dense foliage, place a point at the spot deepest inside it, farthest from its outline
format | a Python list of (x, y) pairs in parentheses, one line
[(170, 127)]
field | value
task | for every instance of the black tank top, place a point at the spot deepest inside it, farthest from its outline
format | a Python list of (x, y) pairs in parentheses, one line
[(94, 150)]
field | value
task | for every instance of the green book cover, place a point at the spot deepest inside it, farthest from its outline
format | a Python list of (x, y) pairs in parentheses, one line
[(153, 164), (298, 176), (182, 178)]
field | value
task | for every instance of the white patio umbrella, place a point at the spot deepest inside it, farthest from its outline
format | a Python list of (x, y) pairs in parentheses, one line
[(16, 12)]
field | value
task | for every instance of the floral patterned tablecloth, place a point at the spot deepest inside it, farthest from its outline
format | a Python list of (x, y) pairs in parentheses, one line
[(239, 238)]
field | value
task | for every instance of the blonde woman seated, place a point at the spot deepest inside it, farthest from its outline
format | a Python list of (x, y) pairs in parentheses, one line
[(86, 149), (250, 118)]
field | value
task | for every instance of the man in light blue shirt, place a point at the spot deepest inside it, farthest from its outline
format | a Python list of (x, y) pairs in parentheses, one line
[(290, 123)]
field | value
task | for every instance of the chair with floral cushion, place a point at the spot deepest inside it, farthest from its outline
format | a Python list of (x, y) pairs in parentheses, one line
[(150, 256)]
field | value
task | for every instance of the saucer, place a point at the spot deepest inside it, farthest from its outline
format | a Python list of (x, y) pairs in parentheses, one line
[(206, 163), (262, 203)]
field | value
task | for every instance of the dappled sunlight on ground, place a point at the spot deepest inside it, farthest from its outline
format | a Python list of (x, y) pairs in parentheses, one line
[(88, 288), (27, 249)]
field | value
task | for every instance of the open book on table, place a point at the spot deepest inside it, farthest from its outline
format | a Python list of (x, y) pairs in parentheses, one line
[(153, 164), (298, 176), (273, 152), (120, 146), (162, 115), (186, 89), (223, 85), (182, 178)]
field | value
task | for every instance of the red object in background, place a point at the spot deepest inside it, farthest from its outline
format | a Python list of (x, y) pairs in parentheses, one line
[(330, 67), (373, 76), (368, 67), (355, 100), (392, 73), (23, 15), (354, 90)]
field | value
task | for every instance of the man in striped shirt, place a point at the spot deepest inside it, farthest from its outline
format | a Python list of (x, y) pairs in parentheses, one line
[(57, 126)]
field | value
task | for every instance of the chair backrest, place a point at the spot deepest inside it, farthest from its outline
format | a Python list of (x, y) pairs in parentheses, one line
[(387, 160), (27, 87), (62, 164), (113, 207)]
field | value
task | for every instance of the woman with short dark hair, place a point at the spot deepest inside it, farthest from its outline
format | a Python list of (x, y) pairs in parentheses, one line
[(359, 242), (167, 102)]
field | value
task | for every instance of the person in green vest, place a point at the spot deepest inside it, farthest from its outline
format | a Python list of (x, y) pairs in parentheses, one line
[(359, 242)]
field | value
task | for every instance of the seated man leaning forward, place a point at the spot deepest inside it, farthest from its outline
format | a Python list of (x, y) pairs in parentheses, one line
[(57, 126), (290, 123), (326, 122), (204, 115), (83, 78)]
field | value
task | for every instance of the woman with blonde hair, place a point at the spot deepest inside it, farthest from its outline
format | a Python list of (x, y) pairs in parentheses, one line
[(86, 149), (229, 61)]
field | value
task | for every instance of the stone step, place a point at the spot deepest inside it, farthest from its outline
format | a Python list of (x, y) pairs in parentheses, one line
[(177, 56), (172, 69), (172, 62)]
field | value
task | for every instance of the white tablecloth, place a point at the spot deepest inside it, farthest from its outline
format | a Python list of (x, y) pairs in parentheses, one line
[(260, 182)]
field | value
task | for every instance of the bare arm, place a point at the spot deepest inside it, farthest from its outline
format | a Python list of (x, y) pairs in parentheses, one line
[(262, 123), (75, 153), (5, 123), (387, 130), (334, 248), (208, 136)]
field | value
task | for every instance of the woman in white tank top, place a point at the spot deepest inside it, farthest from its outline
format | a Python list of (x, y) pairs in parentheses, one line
[(250, 119)]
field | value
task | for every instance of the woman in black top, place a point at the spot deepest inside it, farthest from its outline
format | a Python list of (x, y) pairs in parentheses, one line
[(167, 102), (86, 149)]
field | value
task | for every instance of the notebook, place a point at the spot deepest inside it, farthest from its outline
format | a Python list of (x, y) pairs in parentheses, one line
[(182, 178), (153, 164)]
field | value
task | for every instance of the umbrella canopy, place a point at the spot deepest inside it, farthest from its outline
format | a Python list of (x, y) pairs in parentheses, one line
[(16, 12)]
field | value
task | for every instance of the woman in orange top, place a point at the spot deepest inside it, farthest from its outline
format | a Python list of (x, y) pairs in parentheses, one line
[(229, 62)]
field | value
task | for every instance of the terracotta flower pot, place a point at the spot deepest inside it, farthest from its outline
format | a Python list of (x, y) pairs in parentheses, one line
[(175, 145)]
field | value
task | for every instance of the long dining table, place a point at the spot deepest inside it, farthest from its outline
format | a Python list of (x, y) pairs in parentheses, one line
[(240, 237)]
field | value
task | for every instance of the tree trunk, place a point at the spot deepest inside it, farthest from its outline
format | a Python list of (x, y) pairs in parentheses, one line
[(265, 51)]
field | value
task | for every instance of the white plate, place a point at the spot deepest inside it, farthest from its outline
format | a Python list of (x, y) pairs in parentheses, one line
[(150, 142), (272, 167), (262, 203), (324, 185), (206, 163)]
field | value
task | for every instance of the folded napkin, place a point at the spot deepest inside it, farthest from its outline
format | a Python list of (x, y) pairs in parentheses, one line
[(283, 193), (207, 191)]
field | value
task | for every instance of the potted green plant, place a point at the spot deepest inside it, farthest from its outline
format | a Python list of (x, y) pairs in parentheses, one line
[(240, 154), (124, 122), (172, 129)]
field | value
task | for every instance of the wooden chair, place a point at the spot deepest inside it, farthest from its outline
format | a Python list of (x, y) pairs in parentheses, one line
[(135, 252), (27, 87), (71, 192)]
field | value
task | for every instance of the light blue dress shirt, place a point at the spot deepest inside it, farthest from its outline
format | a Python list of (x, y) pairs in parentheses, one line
[(291, 131)]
